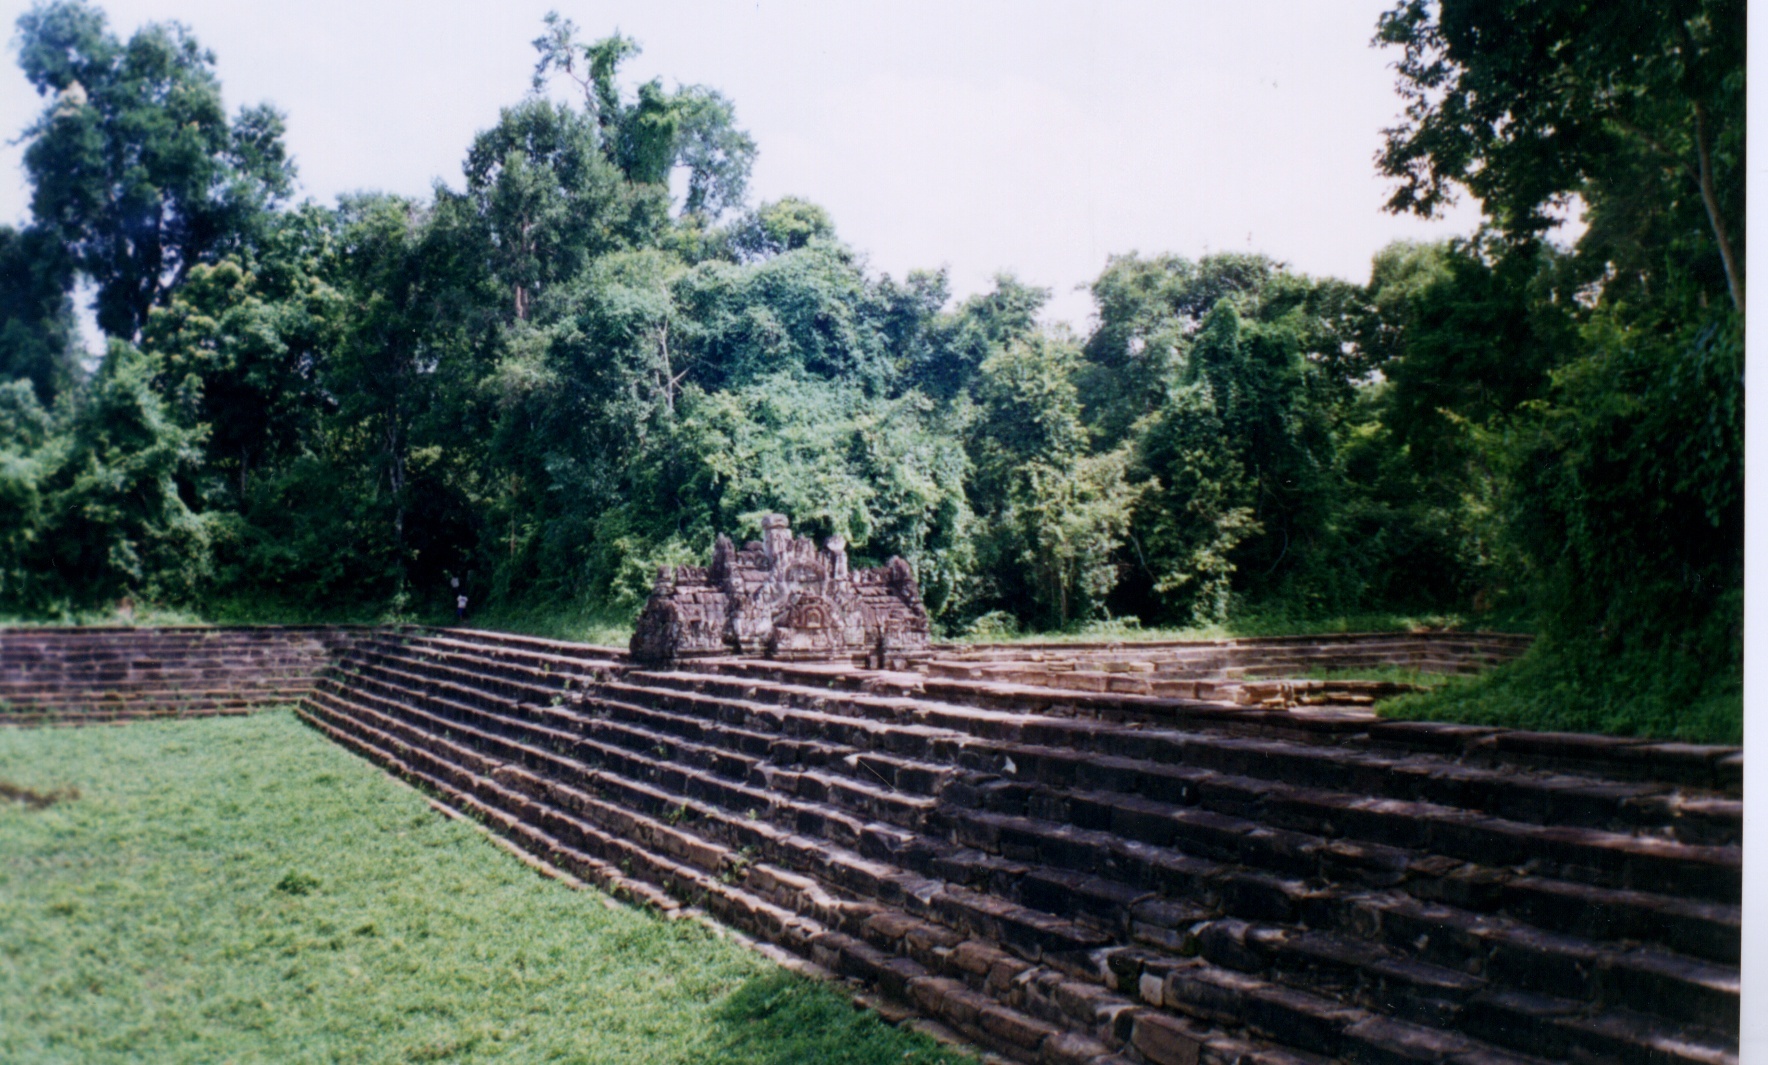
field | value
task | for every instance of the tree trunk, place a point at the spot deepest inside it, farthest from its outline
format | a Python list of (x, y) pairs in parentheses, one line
[(1710, 197), (396, 482)]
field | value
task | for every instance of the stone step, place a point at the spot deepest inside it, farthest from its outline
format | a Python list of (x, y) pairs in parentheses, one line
[(1002, 970), (1277, 1018), (163, 703), (1049, 832), (103, 648), (1692, 765), (808, 834), (39, 689), (102, 640), (792, 731), (493, 638), (105, 642), (178, 668), (526, 648), (1565, 906), (1334, 883), (788, 737), (1100, 675), (537, 679), (62, 700), (1702, 929), (1531, 796), (119, 673), (1511, 642), (955, 997), (1428, 931), (712, 885), (1521, 1021), (649, 755), (1710, 929), (1596, 856)]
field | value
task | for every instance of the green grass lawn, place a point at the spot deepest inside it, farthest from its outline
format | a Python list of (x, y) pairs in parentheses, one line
[(241, 890)]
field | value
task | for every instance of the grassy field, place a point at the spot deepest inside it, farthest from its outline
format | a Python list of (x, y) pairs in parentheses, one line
[(241, 890)]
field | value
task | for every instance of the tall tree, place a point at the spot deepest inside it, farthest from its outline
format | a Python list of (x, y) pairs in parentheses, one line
[(957, 344), (1636, 108), (650, 136), (398, 303), (115, 497), (1149, 309), (544, 195), (134, 165), (1619, 477), (241, 354), (38, 341), (1054, 515)]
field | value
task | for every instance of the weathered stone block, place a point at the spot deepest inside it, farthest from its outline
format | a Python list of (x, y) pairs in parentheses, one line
[(783, 598), (1014, 1028), (1165, 1040)]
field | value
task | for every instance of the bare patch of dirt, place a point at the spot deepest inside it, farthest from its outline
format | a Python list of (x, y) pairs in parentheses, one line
[(37, 800)]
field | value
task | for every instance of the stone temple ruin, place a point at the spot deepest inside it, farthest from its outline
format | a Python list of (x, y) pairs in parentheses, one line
[(1064, 853), (782, 597)]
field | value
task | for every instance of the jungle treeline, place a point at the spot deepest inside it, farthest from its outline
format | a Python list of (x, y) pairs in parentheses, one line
[(591, 352)]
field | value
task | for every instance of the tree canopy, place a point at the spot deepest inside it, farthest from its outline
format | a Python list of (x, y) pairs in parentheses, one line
[(135, 168), (1636, 109)]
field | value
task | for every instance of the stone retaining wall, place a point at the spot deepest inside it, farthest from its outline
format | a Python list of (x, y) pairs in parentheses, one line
[(1230, 670), (72, 675)]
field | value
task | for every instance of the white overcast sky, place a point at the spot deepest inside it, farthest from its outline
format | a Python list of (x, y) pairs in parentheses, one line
[(1036, 138)]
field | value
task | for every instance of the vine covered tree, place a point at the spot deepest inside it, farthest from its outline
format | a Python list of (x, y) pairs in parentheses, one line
[(693, 127)]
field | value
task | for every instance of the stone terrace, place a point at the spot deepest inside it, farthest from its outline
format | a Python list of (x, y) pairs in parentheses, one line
[(1231, 670), (73, 675), (1065, 875)]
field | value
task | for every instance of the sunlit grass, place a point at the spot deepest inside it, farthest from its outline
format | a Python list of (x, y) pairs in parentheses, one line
[(579, 625), (140, 616), (242, 890), (1551, 689)]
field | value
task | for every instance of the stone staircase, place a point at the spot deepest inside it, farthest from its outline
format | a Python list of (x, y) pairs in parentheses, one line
[(1065, 875), (1231, 669), (86, 675)]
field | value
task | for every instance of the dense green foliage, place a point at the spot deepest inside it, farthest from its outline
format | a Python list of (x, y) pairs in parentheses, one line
[(1611, 442), (243, 890), (552, 379)]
